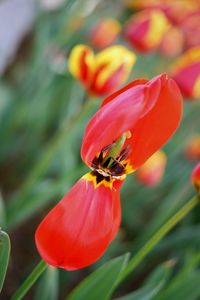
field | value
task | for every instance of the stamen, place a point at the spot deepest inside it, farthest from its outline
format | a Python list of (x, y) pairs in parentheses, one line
[(108, 147), (125, 155), (124, 150)]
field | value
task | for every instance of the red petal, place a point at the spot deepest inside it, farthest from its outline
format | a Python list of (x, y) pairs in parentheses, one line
[(124, 89), (77, 231), (157, 126), (187, 77), (118, 114)]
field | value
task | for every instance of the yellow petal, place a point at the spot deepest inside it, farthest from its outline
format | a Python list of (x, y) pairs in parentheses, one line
[(196, 88), (113, 57), (75, 61), (158, 26), (188, 58)]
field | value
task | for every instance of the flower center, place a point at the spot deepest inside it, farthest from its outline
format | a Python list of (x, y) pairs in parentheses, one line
[(111, 161)]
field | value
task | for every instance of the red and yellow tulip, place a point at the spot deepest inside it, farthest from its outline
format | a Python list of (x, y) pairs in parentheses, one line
[(104, 72), (145, 30), (168, 47), (104, 33), (175, 10), (192, 149), (191, 29), (186, 72), (151, 172), (129, 127), (196, 177)]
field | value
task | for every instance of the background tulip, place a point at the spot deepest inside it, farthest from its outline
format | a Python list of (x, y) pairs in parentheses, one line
[(151, 172), (104, 72)]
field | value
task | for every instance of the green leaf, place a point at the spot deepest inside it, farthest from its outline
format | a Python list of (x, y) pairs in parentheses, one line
[(100, 284), (48, 285), (186, 288), (2, 212), (153, 284), (4, 256), (145, 293)]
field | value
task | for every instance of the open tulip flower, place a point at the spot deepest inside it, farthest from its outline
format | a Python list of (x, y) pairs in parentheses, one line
[(129, 127), (186, 72), (145, 30), (103, 73)]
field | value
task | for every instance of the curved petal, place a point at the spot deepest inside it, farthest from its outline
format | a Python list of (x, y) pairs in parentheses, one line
[(156, 127), (145, 30), (151, 172), (112, 67), (118, 114), (187, 79), (122, 90), (104, 33), (77, 231), (112, 58), (81, 63)]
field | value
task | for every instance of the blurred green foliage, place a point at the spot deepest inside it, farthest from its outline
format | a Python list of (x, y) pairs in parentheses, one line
[(42, 120)]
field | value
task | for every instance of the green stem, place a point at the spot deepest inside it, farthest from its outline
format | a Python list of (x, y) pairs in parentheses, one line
[(134, 262), (30, 280), (154, 240)]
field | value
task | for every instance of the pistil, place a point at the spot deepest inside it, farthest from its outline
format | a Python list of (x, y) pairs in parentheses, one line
[(116, 148)]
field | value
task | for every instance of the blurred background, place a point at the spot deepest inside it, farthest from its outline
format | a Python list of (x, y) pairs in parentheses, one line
[(42, 119)]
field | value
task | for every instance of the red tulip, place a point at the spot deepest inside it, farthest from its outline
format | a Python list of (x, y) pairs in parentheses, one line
[(104, 72), (104, 33), (129, 127), (151, 172), (168, 47), (196, 177), (192, 149), (191, 29), (145, 30), (186, 72)]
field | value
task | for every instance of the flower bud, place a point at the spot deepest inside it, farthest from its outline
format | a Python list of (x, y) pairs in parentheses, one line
[(104, 72), (168, 47), (145, 30), (196, 177), (186, 72), (151, 172), (104, 33), (192, 149)]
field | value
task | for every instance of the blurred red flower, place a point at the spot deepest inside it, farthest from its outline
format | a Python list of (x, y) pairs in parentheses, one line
[(145, 30), (186, 72), (196, 177), (104, 33), (130, 126), (168, 47), (192, 148), (151, 172)]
